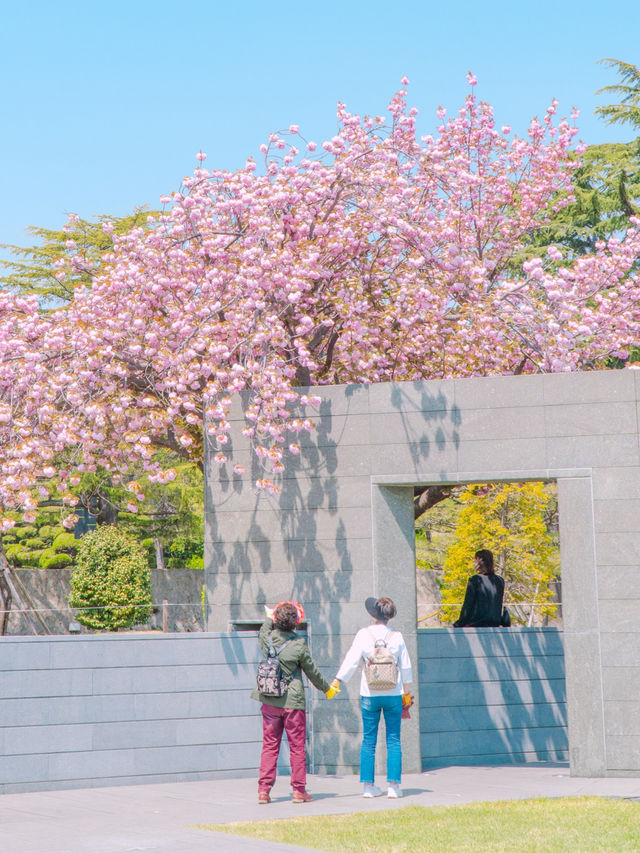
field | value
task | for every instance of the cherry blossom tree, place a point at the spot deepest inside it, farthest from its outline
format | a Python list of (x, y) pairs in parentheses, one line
[(378, 256)]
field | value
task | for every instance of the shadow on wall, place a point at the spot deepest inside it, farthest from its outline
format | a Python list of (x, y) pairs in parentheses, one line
[(313, 541), (435, 410), (492, 696), (300, 538)]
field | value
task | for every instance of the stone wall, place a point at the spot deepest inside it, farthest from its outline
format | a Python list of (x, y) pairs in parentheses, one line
[(118, 709), (121, 709), (49, 593), (492, 696)]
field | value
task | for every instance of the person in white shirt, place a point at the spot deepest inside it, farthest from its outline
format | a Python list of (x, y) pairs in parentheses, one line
[(374, 702)]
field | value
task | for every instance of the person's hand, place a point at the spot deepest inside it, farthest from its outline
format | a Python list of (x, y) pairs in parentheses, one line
[(407, 700), (334, 688), (268, 612)]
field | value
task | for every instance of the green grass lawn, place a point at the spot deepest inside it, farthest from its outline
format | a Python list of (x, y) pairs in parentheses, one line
[(575, 824)]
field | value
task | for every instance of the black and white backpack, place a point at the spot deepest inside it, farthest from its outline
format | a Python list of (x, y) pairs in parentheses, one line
[(271, 679)]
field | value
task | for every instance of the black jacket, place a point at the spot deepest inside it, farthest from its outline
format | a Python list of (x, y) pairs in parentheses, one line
[(482, 606)]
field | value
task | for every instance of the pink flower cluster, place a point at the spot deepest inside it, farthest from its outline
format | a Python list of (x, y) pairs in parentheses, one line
[(382, 258)]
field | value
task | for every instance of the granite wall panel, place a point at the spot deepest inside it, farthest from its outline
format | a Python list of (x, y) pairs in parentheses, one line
[(580, 429)]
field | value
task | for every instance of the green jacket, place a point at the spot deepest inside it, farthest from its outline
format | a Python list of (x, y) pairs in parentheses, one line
[(295, 658)]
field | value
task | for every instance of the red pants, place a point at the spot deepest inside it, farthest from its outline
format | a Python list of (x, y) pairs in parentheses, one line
[(274, 722)]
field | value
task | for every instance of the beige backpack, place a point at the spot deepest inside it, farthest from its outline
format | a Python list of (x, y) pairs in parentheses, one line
[(381, 669)]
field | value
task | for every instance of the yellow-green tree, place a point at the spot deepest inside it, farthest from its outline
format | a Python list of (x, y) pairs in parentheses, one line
[(510, 519)]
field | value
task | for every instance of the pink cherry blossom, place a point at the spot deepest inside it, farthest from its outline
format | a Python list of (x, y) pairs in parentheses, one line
[(385, 258)]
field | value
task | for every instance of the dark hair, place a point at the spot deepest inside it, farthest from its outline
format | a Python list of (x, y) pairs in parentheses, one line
[(386, 609), (486, 558), (285, 616)]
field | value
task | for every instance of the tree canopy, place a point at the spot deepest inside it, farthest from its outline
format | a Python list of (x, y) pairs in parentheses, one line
[(379, 257), (65, 258), (627, 109), (511, 520)]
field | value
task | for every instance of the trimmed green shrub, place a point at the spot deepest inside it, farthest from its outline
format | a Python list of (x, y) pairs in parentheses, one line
[(112, 576), (46, 554), (55, 561), (34, 542), (25, 531), (34, 556), (49, 532), (66, 542), (17, 554), (195, 562), (13, 549)]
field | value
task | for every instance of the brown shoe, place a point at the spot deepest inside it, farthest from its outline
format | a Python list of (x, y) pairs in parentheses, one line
[(301, 797), (263, 797)]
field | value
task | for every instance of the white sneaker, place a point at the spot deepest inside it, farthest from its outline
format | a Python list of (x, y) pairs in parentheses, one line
[(394, 792), (371, 791)]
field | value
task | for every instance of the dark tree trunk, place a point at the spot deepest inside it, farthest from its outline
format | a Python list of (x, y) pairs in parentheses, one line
[(427, 497), (7, 599)]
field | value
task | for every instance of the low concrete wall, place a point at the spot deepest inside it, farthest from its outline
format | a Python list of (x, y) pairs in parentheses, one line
[(120, 709), (49, 593), (492, 696)]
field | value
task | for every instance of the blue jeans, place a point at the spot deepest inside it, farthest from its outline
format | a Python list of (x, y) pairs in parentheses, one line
[(391, 707)]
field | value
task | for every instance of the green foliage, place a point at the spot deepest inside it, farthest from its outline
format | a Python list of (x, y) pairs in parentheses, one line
[(48, 532), (26, 545), (183, 551), (515, 521), (46, 555), (169, 511), (606, 184), (627, 110), (112, 576), (55, 561), (607, 193), (17, 554), (35, 555), (66, 542), (35, 270), (435, 530), (25, 531)]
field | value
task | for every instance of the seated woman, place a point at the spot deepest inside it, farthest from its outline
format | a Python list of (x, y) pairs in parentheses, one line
[(482, 607)]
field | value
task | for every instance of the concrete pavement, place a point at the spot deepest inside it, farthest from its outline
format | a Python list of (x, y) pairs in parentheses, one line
[(163, 818)]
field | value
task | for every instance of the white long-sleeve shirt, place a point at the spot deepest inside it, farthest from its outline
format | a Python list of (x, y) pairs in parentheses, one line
[(363, 645)]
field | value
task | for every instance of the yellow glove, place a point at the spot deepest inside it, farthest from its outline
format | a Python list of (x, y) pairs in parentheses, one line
[(268, 611), (407, 700), (334, 688)]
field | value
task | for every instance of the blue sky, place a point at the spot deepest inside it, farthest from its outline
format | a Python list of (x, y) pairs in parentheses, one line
[(104, 105)]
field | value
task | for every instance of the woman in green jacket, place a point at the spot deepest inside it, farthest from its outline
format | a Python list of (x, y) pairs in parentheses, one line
[(287, 713)]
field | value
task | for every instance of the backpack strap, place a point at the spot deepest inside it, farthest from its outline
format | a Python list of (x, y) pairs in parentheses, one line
[(384, 639), (272, 648), (274, 653)]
